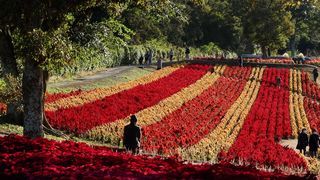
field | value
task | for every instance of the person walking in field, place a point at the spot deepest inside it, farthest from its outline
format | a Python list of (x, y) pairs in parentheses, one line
[(303, 141), (132, 135), (314, 143), (141, 60), (150, 57), (187, 52), (278, 81), (171, 55), (146, 57), (315, 74)]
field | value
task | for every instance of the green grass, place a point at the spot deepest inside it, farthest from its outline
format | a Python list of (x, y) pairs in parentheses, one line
[(126, 76)]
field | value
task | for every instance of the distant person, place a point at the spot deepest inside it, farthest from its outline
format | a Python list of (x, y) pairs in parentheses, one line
[(187, 52), (315, 74), (150, 57), (303, 141), (146, 57), (278, 81), (171, 53), (141, 60), (240, 61), (132, 135), (314, 143)]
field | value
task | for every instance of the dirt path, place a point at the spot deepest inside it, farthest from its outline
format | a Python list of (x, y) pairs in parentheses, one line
[(86, 80), (291, 143)]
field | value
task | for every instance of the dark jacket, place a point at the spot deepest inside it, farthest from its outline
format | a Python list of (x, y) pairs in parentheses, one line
[(302, 141), (131, 137), (314, 142), (315, 72)]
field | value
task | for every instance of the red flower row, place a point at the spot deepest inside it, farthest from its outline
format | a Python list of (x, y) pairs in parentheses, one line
[(312, 109), (21, 158), (267, 122), (195, 119), (120, 105), (309, 88), (56, 96)]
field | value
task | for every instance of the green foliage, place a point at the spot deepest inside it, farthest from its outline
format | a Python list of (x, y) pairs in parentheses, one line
[(11, 90), (2, 84), (50, 49), (210, 49)]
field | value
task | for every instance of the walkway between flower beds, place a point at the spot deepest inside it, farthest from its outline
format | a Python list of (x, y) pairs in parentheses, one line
[(90, 78)]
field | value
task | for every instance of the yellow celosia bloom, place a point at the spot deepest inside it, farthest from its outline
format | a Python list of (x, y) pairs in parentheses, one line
[(298, 115)]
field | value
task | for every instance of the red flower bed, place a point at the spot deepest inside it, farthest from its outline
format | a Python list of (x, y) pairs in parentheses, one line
[(312, 109), (270, 60), (196, 118), (315, 61), (267, 122), (21, 158), (120, 105), (3, 108), (211, 58), (309, 88), (56, 96)]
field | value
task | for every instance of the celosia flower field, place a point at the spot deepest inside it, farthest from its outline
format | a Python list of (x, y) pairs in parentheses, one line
[(200, 113), (22, 158)]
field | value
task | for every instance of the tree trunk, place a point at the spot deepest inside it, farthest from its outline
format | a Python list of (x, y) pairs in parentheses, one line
[(249, 47), (264, 51), (7, 57), (292, 44), (33, 99)]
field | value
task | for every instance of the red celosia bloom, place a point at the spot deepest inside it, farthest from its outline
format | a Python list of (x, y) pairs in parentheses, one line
[(56, 96), (22, 158)]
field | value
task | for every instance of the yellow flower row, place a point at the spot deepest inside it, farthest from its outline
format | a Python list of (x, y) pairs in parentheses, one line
[(225, 134), (313, 164), (111, 132), (295, 81), (99, 93), (298, 115)]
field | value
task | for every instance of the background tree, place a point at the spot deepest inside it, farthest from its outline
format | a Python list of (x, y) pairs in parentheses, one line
[(265, 23), (40, 26)]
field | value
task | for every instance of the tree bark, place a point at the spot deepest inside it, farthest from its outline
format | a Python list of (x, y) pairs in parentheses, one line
[(33, 99), (292, 44), (264, 51), (249, 47)]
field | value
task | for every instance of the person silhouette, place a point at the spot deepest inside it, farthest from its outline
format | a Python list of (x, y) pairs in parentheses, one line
[(278, 79), (314, 143), (132, 135), (315, 74), (303, 141)]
